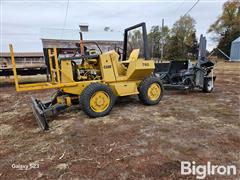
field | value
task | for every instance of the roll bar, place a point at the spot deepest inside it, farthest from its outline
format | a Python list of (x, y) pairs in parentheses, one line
[(145, 40)]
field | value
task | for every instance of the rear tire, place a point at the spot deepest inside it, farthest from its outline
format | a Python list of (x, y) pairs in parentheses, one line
[(97, 100), (151, 91), (208, 85)]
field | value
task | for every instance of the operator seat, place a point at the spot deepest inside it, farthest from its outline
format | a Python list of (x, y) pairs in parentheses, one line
[(133, 56), (120, 68)]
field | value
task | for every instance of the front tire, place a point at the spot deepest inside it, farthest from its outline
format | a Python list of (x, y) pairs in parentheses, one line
[(151, 91), (97, 100)]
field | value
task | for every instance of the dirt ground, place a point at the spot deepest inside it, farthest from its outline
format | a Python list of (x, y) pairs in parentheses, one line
[(133, 142)]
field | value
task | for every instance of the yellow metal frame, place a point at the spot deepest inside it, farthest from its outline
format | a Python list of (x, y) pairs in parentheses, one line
[(122, 81), (45, 85)]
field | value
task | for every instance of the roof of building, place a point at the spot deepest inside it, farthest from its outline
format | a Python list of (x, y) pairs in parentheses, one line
[(69, 34), (22, 54), (236, 40)]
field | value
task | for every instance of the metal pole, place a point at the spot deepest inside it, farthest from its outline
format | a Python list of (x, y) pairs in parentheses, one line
[(152, 48), (56, 65), (51, 65), (162, 40), (14, 68), (81, 44)]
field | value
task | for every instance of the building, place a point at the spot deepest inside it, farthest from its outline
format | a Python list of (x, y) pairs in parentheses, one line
[(26, 63), (67, 41), (67, 38), (235, 50), (23, 58)]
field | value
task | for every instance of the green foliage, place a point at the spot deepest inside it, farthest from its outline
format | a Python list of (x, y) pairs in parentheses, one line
[(156, 37), (183, 42), (107, 28), (135, 41), (227, 26), (179, 43), (172, 50), (154, 41)]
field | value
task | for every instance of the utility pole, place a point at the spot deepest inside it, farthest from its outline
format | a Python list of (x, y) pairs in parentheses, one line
[(152, 48), (81, 41), (162, 40)]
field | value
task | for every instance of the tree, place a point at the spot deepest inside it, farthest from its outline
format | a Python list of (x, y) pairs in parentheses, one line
[(172, 50), (155, 38), (192, 47), (227, 26), (135, 41), (107, 28), (183, 42)]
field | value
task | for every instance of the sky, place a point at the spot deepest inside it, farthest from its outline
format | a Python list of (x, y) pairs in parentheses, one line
[(23, 21)]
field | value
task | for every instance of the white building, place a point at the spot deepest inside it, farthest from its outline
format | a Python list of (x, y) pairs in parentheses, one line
[(235, 50)]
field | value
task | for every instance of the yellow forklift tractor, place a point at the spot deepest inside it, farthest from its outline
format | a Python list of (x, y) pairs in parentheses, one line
[(95, 81)]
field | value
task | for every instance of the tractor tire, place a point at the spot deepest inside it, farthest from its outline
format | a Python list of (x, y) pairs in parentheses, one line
[(207, 86), (150, 91), (97, 100)]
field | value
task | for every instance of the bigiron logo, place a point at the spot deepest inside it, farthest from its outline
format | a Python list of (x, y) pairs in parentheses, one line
[(202, 171)]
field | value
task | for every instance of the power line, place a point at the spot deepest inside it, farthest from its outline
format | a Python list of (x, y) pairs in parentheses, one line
[(66, 14), (180, 6), (65, 19), (192, 7)]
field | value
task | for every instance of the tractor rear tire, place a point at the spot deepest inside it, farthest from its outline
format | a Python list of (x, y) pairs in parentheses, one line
[(97, 100), (150, 91)]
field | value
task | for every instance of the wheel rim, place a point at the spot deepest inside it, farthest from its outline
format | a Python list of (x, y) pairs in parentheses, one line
[(154, 91), (99, 101), (209, 85)]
